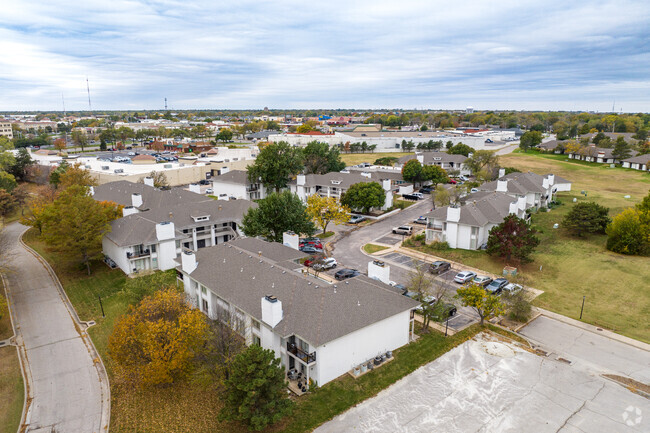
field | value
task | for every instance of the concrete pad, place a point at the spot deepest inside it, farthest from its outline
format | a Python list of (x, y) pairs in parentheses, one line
[(487, 385), (593, 351)]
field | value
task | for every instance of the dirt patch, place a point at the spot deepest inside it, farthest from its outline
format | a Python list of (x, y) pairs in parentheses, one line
[(631, 384)]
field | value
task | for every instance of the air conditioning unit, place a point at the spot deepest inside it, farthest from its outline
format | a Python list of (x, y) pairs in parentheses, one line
[(105, 167), (167, 166)]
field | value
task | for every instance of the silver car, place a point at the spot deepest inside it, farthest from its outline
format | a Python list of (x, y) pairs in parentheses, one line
[(463, 277)]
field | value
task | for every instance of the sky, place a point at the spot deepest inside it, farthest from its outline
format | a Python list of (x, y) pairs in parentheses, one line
[(496, 55)]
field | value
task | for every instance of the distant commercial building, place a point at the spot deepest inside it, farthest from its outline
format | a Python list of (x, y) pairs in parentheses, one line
[(5, 129)]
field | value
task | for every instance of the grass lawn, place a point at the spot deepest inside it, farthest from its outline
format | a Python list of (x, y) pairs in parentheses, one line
[(372, 248), (358, 158), (325, 235), (402, 204), (615, 286), (11, 390), (11, 379)]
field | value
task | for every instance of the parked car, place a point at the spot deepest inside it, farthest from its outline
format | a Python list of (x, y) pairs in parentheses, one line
[(439, 267), (420, 220), (511, 288), (426, 190), (444, 311), (415, 196), (310, 249), (346, 273), (209, 191), (464, 178), (463, 277), (473, 190), (310, 240), (402, 289), (482, 280), (452, 181), (131, 153), (496, 286), (364, 165), (204, 182), (315, 244), (411, 295), (429, 299), (329, 263), (356, 219), (403, 230)]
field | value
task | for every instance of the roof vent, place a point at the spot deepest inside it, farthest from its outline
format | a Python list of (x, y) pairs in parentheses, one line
[(224, 260), (241, 270), (271, 298), (358, 304), (253, 276), (347, 282), (284, 272), (315, 287)]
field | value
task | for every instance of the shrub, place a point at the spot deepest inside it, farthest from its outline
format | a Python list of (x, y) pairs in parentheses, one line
[(439, 246), (518, 307)]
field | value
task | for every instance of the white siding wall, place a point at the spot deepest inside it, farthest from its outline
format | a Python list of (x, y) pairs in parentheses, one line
[(231, 189), (166, 254), (464, 232), (341, 355), (117, 254)]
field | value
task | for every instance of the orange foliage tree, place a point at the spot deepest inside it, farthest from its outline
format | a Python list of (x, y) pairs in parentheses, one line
[(158, 341)]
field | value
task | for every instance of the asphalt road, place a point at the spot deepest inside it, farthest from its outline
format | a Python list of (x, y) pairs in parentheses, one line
[(69, 391)]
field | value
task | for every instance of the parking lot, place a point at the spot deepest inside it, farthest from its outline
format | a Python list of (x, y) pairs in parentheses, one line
[(488, 385)]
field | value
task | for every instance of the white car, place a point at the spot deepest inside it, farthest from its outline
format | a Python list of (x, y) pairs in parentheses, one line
[(209, 191), (463, 277), (512, 288), (429, 299), (329, 263)]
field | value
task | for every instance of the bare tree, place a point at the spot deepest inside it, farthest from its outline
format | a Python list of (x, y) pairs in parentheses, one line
[(227, 339), (429, 292)]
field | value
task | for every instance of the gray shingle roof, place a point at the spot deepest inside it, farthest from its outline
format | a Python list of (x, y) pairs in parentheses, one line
[(183, 214), (313, 309), (339, 180), (480, 209), (135, 230), (120, 192), (640, 159), (518, 183), (239, 177)]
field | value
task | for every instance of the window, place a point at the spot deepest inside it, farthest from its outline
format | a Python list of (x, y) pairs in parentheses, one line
[(256, 324), (152, 248), (200, 243), (204, 306), (256, 340), (204, 290)]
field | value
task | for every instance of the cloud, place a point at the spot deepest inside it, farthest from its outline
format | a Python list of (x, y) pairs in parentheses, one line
[(289, 54)]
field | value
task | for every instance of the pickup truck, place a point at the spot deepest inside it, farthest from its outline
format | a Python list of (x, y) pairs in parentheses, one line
[(403, 230), (414, 196)]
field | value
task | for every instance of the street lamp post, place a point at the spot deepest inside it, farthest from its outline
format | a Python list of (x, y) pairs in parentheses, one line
[(583, 306)]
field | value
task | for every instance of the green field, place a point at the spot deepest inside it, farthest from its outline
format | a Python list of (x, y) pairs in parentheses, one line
[(358, 158), (615, 286)]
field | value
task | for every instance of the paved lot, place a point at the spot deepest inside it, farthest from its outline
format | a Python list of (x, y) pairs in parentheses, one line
[(490, 386), (70, 391), (596, 352)]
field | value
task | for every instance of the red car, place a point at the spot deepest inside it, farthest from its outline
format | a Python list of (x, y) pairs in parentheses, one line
[(452, 181), (308, 262), (311, 244)]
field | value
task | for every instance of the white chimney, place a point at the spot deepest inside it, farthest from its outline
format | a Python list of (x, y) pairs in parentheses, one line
[(513, 208), (128, 210), (224, 170), (366, 174), (148, 181), (502, 185), (420, 158), (545, 184), (453, 214), (195, 187), (188, 261), (379, 270), (165, 230), (136, 199), (300, 179), (502, 172), (291, 240), (551, 179), (271, 310), (386, 184), (521, 202), (91, 190)]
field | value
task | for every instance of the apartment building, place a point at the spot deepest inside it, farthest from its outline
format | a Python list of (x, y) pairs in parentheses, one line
[(319, 328), (5, 129)]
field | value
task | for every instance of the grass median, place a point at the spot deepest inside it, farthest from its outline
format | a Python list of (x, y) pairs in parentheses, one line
[(11, 380), (372, 248)]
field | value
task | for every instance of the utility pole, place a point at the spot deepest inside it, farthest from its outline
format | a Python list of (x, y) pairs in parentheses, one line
[(63, 101), (165, 104), (88, 89)]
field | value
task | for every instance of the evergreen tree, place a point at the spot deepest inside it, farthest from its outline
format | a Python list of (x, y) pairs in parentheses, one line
[(276, 214), (587, 217), (256, 392)]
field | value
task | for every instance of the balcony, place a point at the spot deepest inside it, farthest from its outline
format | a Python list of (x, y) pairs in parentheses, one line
[(434, 227), (137, 254), (305, 357)]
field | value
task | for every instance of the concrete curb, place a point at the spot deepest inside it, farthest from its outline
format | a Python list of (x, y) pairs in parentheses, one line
[(25, 371), (594, 329), (82, 329)]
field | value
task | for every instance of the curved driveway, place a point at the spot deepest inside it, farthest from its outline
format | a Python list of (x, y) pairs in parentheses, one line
[(67, 385)]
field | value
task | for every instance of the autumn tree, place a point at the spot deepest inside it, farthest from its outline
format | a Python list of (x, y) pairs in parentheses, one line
[(275, 164), (157, 341), (159, 179), (275, 214), (629, 231), (38, 207), (59, 144), (20, 194), (324, 210), (364, 196), (7, 204), (7, 181), (76, 175), (513, 238), (586, 218), (79, 138), (484, 303), (440, 196), (74, 224), (255, 392), (421, 282), (484, 164), (529, 140), (320, 158), (224, 135)]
